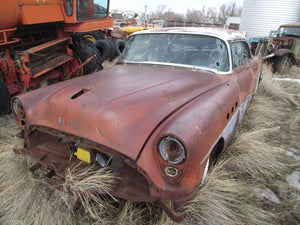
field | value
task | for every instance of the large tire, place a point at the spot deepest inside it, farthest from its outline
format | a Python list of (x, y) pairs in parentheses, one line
[(104, 48), (4, 99), (113, 51), (282, 64), (120, 45), (84, 49), (97, 35)]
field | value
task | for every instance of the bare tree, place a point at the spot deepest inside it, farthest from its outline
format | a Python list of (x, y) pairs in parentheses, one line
[(169, 15), (193, 15), (211, 15), (205, 15), (161, 14), (225, 11)]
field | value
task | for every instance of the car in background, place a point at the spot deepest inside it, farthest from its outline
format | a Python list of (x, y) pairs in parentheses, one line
[(159, 118), (281, 49)]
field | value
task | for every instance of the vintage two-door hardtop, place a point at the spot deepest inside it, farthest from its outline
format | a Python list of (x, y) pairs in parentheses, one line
[(159, 117)]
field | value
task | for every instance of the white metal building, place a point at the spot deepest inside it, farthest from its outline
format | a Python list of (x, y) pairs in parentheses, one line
[(259, 17)]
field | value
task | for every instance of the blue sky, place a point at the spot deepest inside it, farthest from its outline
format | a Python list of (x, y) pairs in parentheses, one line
[(177, 6)]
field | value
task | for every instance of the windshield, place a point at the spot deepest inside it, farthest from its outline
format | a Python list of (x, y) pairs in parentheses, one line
[(289, 31), (92, 9), (183, 49)]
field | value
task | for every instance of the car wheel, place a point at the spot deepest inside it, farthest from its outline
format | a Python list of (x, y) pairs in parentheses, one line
[(85, 49), (282, 64), (4, 99)]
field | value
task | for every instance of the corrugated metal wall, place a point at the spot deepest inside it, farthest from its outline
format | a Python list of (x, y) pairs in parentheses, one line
[(261, 16)]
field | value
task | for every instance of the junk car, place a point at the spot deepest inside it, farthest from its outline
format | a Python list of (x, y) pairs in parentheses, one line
[(159, 117), (281, 49)]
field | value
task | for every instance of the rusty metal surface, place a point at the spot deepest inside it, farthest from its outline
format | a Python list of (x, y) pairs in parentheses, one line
[(33, 14), (5, 36), (225, 34), (124, 111), (89, 25), (44, 20), (49, 152), (123, 118), (123, 90), (9, 14), (175, 216)]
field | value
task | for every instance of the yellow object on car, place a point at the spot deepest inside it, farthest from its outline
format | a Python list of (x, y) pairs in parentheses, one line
[(83, 154)]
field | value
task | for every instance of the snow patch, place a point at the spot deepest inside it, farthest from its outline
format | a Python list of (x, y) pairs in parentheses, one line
[(293, 155), (294, 179), (267, 194), (288, 79), (295, 150)]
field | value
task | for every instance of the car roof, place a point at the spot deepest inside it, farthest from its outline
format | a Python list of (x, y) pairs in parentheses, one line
[(222, 33), (291, 25)]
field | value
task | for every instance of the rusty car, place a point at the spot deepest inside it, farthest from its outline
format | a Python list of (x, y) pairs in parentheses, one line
[(281, 49), (160, 117)]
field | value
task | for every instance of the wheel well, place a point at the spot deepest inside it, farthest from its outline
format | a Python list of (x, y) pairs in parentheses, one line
[(217, 150)]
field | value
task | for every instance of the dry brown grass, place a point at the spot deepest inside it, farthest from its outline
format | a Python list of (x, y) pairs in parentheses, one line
[(256, 158)]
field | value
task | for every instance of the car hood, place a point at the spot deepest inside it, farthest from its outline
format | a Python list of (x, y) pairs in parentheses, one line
[(119, 107)]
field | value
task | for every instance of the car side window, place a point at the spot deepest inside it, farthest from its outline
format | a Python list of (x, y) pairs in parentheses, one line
[(245, 52), (240, 53)]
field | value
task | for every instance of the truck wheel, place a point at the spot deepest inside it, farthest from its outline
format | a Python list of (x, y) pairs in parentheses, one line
[(104, 49), (120, 45), (282, 64), (113, 51), (92, 35), (4, 99), (84, 49)]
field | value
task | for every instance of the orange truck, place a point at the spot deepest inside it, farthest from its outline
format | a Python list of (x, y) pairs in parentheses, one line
[(44, 41)]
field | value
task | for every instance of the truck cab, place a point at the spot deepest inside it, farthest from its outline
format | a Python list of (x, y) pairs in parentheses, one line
[(86, 15), (281, 49)]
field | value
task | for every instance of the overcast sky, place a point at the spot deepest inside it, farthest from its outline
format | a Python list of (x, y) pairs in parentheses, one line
[(178, 6)]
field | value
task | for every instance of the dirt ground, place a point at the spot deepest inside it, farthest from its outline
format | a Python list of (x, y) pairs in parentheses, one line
[(256, 181)]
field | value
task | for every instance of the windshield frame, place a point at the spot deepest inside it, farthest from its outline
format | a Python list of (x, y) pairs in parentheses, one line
[(179, 65), (281, 31)]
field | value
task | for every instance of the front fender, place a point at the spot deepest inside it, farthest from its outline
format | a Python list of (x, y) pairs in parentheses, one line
[(282, 52), (198, 125)]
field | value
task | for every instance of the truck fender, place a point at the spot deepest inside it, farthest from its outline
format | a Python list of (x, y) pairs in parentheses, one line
[(104, 48), (282, 52)]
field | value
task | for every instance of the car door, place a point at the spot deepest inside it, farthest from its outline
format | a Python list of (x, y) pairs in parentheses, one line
[(242, 64)]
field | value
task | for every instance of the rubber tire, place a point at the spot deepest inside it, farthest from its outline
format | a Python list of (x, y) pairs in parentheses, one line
[(4, 99), (104, 48), (96, 34), (120, 45), (113, 51), (84, 49), (280, 62)]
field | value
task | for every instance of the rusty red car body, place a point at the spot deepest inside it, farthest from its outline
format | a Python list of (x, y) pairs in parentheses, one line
[(161, 121)]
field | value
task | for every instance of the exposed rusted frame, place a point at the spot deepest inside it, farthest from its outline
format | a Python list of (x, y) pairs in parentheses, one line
[(175, 216)]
